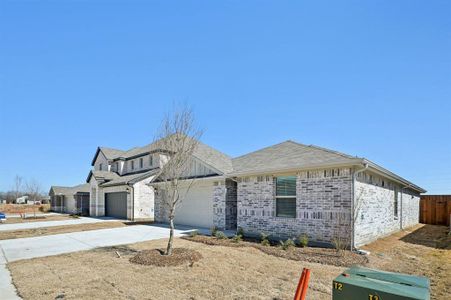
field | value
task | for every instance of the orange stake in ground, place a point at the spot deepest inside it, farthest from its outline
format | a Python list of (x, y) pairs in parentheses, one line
[(302, 288)]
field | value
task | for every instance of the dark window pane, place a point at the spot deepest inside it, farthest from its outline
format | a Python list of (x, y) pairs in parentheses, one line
[(286, 207), (286, 186)]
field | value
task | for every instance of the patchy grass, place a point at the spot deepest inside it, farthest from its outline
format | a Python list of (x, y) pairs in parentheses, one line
[(224, 272), (17, 234)]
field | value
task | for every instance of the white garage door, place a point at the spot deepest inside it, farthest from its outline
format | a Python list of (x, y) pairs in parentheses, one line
[(196, 209)]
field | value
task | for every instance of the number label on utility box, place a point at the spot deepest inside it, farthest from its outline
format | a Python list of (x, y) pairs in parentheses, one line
[(339, 286)]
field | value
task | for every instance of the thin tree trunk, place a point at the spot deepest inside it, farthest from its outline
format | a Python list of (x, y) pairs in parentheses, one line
[(171, 233)]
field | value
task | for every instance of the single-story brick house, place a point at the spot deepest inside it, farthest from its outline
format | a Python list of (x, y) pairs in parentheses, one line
[(290, 189), (283, 190), (73, 200)]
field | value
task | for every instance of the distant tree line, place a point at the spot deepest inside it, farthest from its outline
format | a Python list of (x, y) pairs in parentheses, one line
[(20, 187)]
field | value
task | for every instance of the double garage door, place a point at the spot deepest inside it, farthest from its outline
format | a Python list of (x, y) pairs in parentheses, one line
[(116, 205), (196, 209)]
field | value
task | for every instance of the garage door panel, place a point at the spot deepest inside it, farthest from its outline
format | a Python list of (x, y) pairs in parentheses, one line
[(196, 209), (116, 205)]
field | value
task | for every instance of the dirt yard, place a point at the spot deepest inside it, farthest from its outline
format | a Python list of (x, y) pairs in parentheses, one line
[(222, 273), (17, 234), (24, 208), (422, 250)]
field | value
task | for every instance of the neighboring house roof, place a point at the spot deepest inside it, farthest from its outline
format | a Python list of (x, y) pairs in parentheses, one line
[(109, 153), (289, 156), (206, 154), (213, 158), (102, 175), (131, 178), (210, 156), (67, 190)]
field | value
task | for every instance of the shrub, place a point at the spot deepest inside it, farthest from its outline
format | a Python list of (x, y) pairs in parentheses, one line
[(220, 235), (303, 240), (340, 244), (237, 238), (240, 231), (264, 239), (194, 233), (265, 243), (288, 244), (213, 230)]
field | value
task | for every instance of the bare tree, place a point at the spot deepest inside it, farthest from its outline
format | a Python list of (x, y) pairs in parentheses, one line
[(344, 224), (34, 192), (17, 188), (179, 138)]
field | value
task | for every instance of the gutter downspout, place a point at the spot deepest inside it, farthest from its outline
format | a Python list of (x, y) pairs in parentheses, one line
[(354, 176)]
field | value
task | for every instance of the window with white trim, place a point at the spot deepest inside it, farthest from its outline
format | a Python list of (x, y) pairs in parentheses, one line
[(141, 163), (100, 167), (150, 160), (286, 196), (132, 166)]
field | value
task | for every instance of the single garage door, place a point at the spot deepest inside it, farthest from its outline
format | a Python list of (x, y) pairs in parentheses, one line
[(116, 205), (196, 209)]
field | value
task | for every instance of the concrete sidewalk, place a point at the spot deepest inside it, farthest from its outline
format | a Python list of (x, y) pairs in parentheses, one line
[(39, 224), (26, 248)]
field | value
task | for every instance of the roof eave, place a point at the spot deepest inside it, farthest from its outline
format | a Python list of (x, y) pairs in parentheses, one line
[(353, 162), (95, 156), (378, 169)]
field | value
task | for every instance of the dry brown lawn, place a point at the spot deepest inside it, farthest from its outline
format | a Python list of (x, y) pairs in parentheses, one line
[(16, 234), (423, 250), (222, 273), (24, 208), (31, 218)]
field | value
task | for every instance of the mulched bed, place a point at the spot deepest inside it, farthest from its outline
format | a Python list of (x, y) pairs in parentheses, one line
[(311, 254), (155, 257)]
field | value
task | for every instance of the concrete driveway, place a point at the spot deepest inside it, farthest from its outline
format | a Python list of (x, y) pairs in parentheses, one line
[(26, 248), (74, 221)]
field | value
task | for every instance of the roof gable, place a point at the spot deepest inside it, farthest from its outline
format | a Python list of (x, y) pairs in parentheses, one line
[(109, 153), (288, 155)]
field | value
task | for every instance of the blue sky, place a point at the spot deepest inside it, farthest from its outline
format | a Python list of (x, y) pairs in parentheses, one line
[(368, 78)]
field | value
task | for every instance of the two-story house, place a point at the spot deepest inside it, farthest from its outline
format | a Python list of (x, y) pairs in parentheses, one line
[(120, 179)]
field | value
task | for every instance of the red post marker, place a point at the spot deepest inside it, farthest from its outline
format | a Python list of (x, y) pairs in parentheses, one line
[(302, 288)]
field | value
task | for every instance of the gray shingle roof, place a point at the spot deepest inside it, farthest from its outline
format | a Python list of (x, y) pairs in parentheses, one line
[(288, 155), (68, 190), (214, 158), (111, 153), (203, 152), (132, 178)]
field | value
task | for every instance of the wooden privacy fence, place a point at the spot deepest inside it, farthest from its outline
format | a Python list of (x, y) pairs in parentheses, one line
[(435, 209)]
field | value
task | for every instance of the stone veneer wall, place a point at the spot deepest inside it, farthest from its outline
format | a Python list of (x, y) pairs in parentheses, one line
[(143, 200), (323, 206), (225, 204), (374, 207), (160, 212)]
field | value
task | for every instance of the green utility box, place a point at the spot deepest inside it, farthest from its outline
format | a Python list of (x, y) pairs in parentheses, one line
[(359, 283)]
